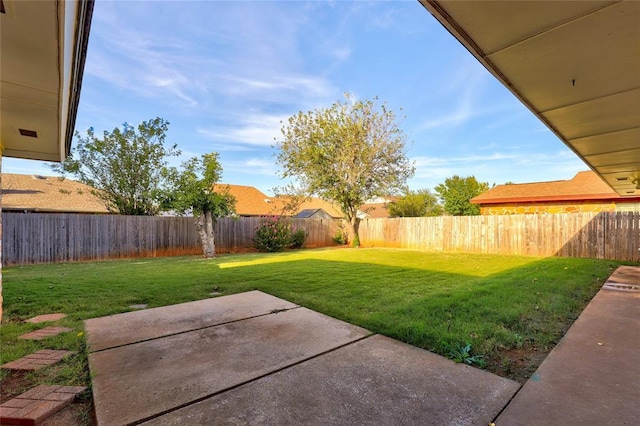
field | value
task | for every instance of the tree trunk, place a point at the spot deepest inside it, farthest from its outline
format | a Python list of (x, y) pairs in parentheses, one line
[(206, 230), (354, 230)]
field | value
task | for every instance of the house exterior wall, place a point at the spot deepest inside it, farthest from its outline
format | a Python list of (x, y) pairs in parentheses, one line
[(557, 207)]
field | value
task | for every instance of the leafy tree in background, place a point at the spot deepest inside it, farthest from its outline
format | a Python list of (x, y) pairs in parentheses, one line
[(194, 193), (416, 204), (456, 193), (128, 167), (348, 153)]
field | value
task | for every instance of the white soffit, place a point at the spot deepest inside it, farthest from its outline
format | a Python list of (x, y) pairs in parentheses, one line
[(43, 48), (574, 64)]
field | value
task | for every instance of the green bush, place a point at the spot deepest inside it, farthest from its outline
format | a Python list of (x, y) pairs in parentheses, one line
[(272, 234), (297, 238)]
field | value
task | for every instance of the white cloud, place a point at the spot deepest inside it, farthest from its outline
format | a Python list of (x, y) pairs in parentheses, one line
[(256, 130), (254, 166)]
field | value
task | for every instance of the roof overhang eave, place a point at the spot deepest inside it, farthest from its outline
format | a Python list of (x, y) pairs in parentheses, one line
[(78, 14)]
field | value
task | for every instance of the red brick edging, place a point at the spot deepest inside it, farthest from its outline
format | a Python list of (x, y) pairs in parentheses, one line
[(37, 404), (37, 360)]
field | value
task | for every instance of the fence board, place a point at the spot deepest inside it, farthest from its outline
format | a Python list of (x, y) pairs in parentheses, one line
[(43, 238), (591, 235), (63, 237)]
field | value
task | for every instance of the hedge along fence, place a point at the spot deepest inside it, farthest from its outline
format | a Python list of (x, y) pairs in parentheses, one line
[(592, 235), (62, 237)]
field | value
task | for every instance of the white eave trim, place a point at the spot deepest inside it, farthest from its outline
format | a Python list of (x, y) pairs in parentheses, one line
[(74, 23)]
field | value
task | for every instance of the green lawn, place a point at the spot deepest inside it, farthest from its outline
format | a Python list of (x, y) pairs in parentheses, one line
[(500, 305)]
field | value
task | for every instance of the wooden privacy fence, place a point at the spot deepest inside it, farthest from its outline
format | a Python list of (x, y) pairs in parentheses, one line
[(62, 237), (594, 235)]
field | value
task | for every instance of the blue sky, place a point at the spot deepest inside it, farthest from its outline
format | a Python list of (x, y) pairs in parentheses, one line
[(225, 74)]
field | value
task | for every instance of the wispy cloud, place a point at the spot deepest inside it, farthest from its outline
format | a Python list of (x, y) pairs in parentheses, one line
[(256, 166), (498, 167), (254, 130), (255, 55)]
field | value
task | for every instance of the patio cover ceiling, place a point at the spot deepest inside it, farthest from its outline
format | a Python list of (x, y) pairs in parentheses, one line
[(574, 64), (43, 53)]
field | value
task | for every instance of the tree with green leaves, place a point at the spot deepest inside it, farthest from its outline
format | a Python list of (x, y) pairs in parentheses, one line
[(456, 193), (128, 167), (418, 203), (194, 193), (348, 153)]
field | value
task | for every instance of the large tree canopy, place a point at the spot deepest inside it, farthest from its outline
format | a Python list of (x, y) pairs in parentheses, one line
[(128, 167), (416, 204), (194, 193), (456, 193), (348, 153)]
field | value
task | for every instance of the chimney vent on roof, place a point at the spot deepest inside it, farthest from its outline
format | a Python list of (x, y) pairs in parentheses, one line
[(266, 200)]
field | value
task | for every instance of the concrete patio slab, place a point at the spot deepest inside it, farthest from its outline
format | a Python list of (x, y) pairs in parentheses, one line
[(123, 329), (137, 381), (592, 377), (375, 381), (625, 275)]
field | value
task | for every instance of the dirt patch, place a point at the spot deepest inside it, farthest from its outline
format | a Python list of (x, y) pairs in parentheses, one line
[(80, 413), (518, 364), (13, 384)]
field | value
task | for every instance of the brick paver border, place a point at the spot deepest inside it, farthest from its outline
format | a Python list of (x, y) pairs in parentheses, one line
[(37, 360), (45, 318), (37, 404), (43, 333)]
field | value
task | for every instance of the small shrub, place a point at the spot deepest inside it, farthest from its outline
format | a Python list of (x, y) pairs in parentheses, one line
[(297, 238), (339, 239), (272, 234), (341, 235)]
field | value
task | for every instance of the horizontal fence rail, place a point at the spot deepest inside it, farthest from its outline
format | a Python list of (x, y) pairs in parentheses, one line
[(592, 235), (62, 237)]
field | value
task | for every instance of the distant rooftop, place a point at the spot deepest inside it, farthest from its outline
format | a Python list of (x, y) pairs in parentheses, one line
[(583, 186), (48, 194)]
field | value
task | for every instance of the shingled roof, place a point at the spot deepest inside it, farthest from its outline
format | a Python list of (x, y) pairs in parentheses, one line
[(48, 194), (584, 186), (252, 202), (249, 200)]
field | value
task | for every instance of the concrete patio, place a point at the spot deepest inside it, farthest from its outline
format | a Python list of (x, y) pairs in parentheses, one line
[(252, 358)]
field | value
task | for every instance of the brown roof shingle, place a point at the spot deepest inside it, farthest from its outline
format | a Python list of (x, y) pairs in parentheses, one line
[(48, 194), (249, 200), (252, 202), (584, 186)]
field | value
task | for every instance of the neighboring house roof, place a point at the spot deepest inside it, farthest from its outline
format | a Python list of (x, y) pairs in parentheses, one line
[(249, 200), (48, 194), (375, 210), (308, 213), (318, 203), (252, 202), (584, 186)]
